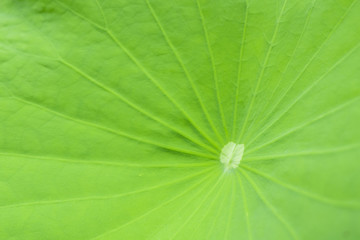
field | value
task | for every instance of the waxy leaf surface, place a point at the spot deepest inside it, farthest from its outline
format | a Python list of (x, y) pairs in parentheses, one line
[(113, 115)]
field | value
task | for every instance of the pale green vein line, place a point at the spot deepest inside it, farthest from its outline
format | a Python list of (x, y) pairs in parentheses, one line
[(135, 106), (102, 13), (187, 74), (270, 206), (240, 71), (291, 58), (305, 153), (216, 218), (180, 210), (152, 210), (301, 126), (303, 192), (66, 7), (156, 83), (61, 60), (105, 163), (118, 133), (242, 187), (91, 198), (145, 71), (229, 221), (207, 211), (198, 207), (263, 68), (19, 52), (301, 73), (213, 67)]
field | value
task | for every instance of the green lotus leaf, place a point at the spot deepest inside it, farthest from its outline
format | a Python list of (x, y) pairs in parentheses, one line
[(191, 119)]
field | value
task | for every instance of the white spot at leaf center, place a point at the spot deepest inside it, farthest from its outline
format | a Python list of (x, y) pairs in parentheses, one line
[(231, 155)]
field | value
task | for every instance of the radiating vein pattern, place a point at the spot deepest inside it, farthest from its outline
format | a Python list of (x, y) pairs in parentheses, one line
[(192, 119)]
